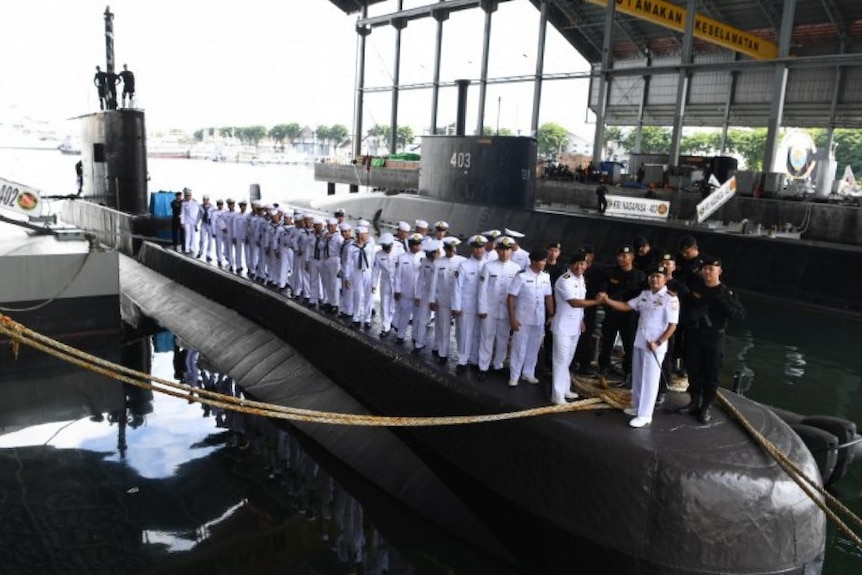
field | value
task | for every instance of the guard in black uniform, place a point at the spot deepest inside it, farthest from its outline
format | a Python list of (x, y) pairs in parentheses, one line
[(711, 305), (595, 277), (555, 269), (624, 283)]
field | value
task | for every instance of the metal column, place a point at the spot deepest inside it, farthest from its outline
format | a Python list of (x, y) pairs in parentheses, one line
[(540, 69), (642, 108), (396, 74), (779, 86), (682, 84), (359, 103), (489, 6), (728, 106), (604, 81), (440, 16)]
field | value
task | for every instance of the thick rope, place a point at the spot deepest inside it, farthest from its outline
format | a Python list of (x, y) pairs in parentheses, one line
[(20, 334), (809, 486)]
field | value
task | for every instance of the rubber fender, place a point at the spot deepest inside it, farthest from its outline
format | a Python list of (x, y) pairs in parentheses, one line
[(823, 447), (844, 430)]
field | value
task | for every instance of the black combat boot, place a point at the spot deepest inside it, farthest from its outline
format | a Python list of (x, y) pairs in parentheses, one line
[(703, 416), (693, 406)]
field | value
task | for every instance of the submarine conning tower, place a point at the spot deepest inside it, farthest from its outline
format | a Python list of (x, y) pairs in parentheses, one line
[(114, 159), (486, 170)]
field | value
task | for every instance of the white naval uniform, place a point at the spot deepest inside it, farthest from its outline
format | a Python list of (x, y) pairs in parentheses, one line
[(331, 267), (657, 311), (254, 224), (358, 273), (383, 273), (521, 257), (225, 231), (315, 267), (216, 223), (189, 220), (494, 283), (283, 255), (566, 327), (529, 290), (406, 272), (445, 270), (239, 236), (205, 226), (465, 298), (426, 287)]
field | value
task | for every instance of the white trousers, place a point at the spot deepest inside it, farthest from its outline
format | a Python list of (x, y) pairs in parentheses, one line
[(443, 330), (284, 266), (363, 301), (525, 351), (646, 374), (405, 307), (238, 249), (493, 341), (315, 286), (191, 236), (421, 319), (205, 245), (564, 351), (468, 338), (331, 265), (387, 306)]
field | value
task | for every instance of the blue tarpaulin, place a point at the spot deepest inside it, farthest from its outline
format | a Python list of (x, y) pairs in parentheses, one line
[(160, 203)]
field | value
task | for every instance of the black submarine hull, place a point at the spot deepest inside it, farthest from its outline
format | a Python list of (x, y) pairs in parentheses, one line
[(580, 487)]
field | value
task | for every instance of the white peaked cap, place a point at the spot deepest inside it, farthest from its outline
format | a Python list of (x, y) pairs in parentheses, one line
[(403, 227), (386, 239), (431, 246), (361, 230), (451, 240), (421, 224), (513, 234)]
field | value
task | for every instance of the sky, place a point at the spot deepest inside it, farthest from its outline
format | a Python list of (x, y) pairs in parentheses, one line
[(217, 63)]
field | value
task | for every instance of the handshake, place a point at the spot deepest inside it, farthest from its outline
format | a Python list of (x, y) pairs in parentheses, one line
[(602, 298)]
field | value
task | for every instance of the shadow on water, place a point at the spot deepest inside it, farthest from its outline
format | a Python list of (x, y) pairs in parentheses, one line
[(116, 480)]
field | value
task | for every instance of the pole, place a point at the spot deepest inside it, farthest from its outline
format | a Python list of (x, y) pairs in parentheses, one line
[(499, 101)]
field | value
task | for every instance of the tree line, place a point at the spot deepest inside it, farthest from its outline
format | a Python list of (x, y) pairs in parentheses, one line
[(749, 144)]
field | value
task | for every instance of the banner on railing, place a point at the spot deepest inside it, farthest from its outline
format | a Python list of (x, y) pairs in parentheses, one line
[(627, 207), (19, 198)]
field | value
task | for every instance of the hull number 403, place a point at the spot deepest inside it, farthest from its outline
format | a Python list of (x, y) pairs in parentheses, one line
[(460, 160)]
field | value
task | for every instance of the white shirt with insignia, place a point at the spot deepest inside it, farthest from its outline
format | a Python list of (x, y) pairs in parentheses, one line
[(657, 310), (567, 319), (530, 290)]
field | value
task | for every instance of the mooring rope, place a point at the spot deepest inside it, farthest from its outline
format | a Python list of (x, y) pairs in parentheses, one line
[(21, 334)]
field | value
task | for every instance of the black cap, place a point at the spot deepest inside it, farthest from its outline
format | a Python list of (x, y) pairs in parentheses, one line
[(686, 242), (710, 261), (667, 257), (639, 242), (588, 249), (538, 255), (554, 245), (578, 256), (657, 269), (624, 249)]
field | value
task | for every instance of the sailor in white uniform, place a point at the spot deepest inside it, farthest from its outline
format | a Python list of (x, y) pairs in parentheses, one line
[(357, 275), (406, 272), (659, 316), (465, 303), (519, 255), (493, 311), (445, 269), (383, 275), (216, 225), (205, 218), (530, 294), (568, 323), (189, 220), (345, 299), (239, 236), (332, 265), (426, 285), (491, 245)]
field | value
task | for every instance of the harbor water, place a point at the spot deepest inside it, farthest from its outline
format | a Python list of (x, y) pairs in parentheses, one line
[(796, 359)]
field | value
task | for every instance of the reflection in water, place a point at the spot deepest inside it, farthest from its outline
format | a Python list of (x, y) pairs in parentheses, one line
[(161, 483)]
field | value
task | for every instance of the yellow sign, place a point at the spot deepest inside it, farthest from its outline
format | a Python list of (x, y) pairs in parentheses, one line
[(671, 16)]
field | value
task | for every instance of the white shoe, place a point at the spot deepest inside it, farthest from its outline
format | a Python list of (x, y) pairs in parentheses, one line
[(559, 401), (532, 380), (630, 411), (513, 383), (571, 395), (640, 422)]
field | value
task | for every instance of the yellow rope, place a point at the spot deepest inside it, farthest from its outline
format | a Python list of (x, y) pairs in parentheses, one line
[(808, 485), (20, 334)]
